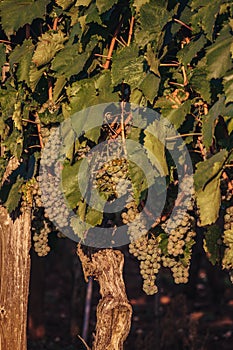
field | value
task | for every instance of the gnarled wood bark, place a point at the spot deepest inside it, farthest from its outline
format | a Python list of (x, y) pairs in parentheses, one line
[(113, 311), (15, 242)]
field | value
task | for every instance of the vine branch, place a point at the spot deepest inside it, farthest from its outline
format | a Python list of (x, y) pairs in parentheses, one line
[(112, 45)]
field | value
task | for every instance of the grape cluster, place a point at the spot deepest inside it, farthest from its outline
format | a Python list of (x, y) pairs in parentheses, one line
[(41, 239), (227, 261), (53, 200), (148, 252), (52, 150), (181, 235), (29, 190), (110, 177), (130, 212), (180, 271), (180, 232)]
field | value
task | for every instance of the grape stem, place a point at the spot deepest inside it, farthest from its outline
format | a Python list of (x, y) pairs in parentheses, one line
[(84, 343), (130, 30), (183, 24), (37, 120), (183, 135), (112, 45)]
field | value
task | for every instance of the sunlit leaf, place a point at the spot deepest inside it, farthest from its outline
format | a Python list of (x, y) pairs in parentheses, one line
[(228, 86), (127, 66), (218, 55), (208, 125), (104, 5), (15, 14), (22, 55), (150, 86), (49, 44)]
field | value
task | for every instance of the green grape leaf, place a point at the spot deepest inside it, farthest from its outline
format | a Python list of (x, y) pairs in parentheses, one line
[(14, 195), (211, 246), (206, 16), (99, 91), (2, 54), (150, 86), (64, 4), (16, 117), (58, 86), (185, 260), (228, 86), (49, 44), (209, 120), (138, 4), (83, 3), (69, 61), (200, 82), (15, 14), (154, 143), (34, 76), (127, 66), (70, 185), (104, 5), (141, 172), (178, 115), (208, 202), (22, 55), (14, 143), (218, 55), (229, 123), (79, 227), (209, 169), (152, 60), (94, 217), (190, 50), (207, 186), (92, 15), (136, 97), (153, 17), (7, 102)]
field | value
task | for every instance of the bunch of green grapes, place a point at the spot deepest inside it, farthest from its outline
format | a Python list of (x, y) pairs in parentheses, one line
[(181, 233), (53, 199), (227, 261), (180, 271), (148, 252), (52, 150), (111, 175), (29, 189), (41, 230)]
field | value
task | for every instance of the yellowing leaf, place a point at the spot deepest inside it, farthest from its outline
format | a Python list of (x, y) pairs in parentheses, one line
[(49, 44)]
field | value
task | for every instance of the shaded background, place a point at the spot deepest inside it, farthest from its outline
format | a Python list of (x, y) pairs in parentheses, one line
[(196, 316)]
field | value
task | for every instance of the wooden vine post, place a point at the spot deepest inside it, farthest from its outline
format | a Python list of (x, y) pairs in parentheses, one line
[(113, 311), (15, 242)]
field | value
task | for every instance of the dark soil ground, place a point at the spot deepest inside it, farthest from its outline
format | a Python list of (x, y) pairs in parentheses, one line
[(198, 316)]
